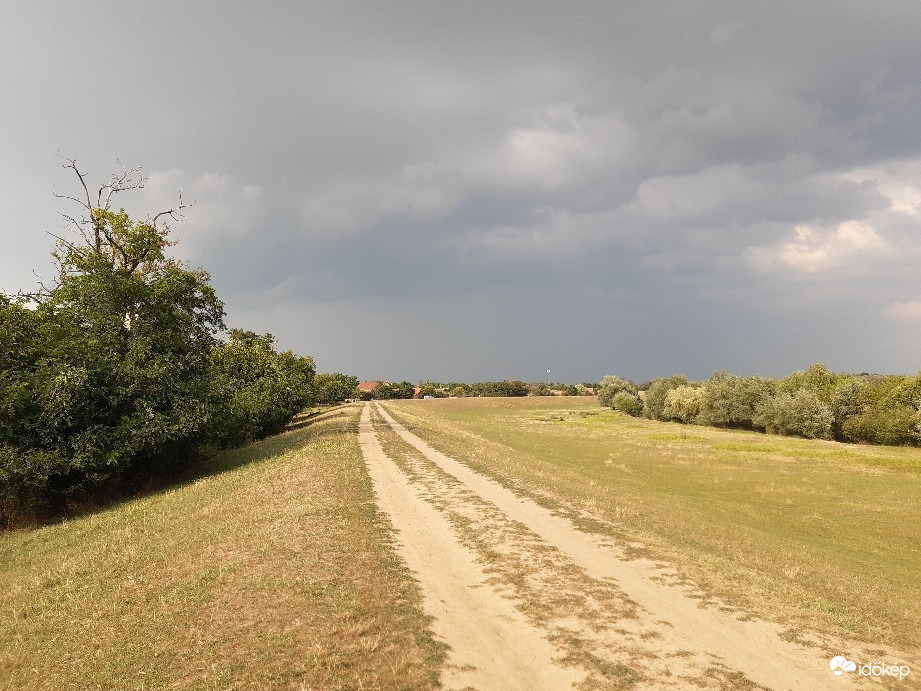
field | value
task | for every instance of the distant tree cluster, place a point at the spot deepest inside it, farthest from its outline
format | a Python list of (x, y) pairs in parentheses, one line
[(335, 387), (115, 373), (508, 387), (386, 391), (815, 403)]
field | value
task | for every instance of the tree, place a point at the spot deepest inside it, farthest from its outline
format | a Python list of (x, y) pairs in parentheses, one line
[(257, 390), (657, 392), (731, 401), (611, 385), (114, 377), (385, 390), (801, 413), (333, 388), (817, 378), (628, 403), (682, 403)]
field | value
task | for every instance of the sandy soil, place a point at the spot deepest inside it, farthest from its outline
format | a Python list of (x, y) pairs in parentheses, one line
[(492, 643), (526, 600)]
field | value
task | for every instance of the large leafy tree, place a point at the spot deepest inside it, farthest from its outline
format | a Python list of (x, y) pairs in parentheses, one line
[(257, 390), (335, 387), (107, 369)]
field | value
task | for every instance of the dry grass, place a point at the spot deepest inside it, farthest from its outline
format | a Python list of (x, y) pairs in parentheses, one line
[(274, 571), (817, 535), (578, 612)]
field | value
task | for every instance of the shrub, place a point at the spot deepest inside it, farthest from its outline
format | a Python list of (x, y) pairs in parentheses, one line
[(256, 391), (731, 401), (611, 385), (800, 414), (656, 394), (682, 403), (628, 403), (335, 387)]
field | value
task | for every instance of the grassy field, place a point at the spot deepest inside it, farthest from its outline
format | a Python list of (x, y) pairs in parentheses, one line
[(273, 570), (817, 535)]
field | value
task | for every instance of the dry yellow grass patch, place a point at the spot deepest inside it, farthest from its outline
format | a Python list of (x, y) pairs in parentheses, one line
[(274, 571), (817, 535)]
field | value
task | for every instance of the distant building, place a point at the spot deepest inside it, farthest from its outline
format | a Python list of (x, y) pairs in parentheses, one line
[(369, 386)]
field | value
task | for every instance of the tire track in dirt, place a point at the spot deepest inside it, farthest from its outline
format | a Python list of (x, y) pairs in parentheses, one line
[(590, 619), (670, 622), (493, 646)]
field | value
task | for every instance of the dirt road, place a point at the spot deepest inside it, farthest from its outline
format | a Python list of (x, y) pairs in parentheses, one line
[(525, 600)]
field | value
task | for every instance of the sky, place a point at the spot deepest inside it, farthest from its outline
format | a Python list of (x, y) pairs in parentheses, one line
[(463, 191)]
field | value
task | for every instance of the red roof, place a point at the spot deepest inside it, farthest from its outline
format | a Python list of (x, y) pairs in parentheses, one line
[(368, 386)]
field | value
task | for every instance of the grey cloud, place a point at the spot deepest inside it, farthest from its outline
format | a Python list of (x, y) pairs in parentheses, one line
[(633, 187)]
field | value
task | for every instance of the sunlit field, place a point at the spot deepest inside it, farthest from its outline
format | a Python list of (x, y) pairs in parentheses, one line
[(817, 535), (273, 570)]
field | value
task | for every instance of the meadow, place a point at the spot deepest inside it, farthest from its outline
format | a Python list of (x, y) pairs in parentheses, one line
[(817, 535), (272, 569)]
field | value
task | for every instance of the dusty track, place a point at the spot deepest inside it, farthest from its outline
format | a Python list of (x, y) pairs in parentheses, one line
[(491, 642), (518, 592)]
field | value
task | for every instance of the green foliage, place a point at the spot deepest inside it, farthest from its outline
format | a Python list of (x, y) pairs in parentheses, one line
[(628, 403), (112, 382), (800, 413), (656, 395), (814, 403), (500, 388), (334, 388), (386, 391), (682, 403), (115, 373), (818, 379), (611, 385), (882, 410), (731, 401), (256, 389)]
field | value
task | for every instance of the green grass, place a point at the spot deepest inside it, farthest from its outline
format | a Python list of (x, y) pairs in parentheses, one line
[(817, 535), (273, 571)]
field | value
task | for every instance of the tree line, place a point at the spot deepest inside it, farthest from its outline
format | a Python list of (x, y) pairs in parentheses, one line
[(120, 371), (815, 403), (504, 388)]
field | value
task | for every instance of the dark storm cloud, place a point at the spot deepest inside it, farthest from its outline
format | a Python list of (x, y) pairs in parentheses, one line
[(494, 189)]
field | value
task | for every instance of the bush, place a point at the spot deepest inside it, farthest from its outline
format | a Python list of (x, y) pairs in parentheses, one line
[(800, 414), (682, 403), (656, 394), (115, 373), (256, 391), (334, 388), (731, 401), (628, 403), (612, 385), (500, 388)]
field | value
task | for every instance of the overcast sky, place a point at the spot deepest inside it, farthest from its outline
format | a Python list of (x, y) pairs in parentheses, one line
[(475, 191)]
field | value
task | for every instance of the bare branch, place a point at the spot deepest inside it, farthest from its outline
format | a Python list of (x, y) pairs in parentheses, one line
[(69, 245), (174, 212), (120, 183), (64, 196), (72, 164), (81, 227)]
